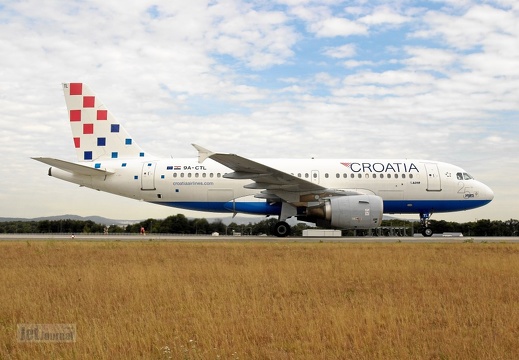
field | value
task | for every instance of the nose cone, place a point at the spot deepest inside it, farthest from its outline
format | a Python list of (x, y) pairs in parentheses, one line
[(485, 193)]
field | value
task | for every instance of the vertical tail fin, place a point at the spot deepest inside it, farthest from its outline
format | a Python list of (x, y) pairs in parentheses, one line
[(97, 134)]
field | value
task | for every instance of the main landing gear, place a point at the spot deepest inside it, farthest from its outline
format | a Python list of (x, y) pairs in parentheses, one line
[(281, 229), (424, 223)]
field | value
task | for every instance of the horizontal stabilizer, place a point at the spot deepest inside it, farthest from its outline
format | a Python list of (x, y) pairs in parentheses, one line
[(73, 167)]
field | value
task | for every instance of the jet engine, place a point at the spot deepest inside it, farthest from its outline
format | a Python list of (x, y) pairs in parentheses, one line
[(347, 212)]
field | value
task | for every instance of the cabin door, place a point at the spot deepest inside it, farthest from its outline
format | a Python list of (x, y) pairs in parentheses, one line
[(148, 176)]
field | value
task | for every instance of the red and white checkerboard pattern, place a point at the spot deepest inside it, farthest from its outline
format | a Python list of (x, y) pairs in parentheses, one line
[(96, 133)]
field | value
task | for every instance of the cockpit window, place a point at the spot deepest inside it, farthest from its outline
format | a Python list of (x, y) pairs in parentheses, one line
[(464, 176)]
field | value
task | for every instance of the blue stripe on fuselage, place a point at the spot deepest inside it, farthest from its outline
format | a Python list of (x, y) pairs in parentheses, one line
[(390, 206), (430, 206), (253, 207)]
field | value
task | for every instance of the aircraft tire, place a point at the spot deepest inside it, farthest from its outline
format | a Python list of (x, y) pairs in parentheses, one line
[(281, 229), (427, 232)]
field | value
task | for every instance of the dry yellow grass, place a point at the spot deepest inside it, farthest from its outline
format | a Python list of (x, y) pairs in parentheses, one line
[(159, 300)]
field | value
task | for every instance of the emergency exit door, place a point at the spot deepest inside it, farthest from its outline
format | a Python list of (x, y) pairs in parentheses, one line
[(433, 177)]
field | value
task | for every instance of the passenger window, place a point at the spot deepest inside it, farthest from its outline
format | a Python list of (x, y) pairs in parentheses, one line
[(325, 175), (197, 175), (396, 176), (338, 175), (374, 176), (189, 175), (174, 175), (306, 175), (211, 175), (381, 176), (218, 175), (410, 176), (182, 175), (359, 176), (204, 174), (299, 175), (389, 176)]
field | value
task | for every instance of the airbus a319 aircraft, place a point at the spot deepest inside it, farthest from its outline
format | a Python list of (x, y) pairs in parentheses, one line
[(336, 193)]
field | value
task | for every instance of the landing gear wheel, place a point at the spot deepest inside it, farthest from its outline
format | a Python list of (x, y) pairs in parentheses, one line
[(281, 229), (427, 232), (424, 222)]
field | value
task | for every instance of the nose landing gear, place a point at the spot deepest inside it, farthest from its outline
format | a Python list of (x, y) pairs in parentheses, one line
[(424, 223)]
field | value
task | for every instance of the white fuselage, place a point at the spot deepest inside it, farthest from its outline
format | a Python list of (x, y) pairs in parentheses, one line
[(406, 186)]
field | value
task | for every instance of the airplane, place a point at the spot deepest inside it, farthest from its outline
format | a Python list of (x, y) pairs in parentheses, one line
[(333, 193)]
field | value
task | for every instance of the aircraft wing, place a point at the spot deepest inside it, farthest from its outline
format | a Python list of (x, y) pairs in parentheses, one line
[(264, 177), (73, 167), (276, 183)]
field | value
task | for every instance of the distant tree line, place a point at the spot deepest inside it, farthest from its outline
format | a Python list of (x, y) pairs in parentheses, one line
[(51, 226), (179, 224), (483, 227)]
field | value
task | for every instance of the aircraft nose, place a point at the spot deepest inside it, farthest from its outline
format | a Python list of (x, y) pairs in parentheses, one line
[(485, 192)]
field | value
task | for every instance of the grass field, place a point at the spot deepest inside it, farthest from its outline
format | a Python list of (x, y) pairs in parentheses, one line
[(167, 300)]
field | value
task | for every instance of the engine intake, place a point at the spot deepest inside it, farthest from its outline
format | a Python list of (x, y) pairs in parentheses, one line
[(348, 212)]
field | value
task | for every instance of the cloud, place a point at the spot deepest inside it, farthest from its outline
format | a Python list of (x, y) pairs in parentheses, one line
[(339, 52), (336, 26), (423, 58), (472, 28), (259, 38), (356, 63), (384, 15)]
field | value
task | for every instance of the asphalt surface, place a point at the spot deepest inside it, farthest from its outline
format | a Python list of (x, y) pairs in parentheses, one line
[(264, 239)]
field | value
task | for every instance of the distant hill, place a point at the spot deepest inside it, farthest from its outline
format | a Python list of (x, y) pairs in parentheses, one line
[(96, 219)]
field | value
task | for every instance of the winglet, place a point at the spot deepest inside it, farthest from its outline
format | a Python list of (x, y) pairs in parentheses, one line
[(203, 153)]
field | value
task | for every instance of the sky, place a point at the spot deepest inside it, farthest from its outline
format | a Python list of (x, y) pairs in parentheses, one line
[(435, 80)]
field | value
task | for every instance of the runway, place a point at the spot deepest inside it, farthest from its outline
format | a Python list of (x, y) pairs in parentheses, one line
[(244, 239)]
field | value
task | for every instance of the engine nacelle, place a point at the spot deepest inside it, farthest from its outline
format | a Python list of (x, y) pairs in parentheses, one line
[(349, 212)]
